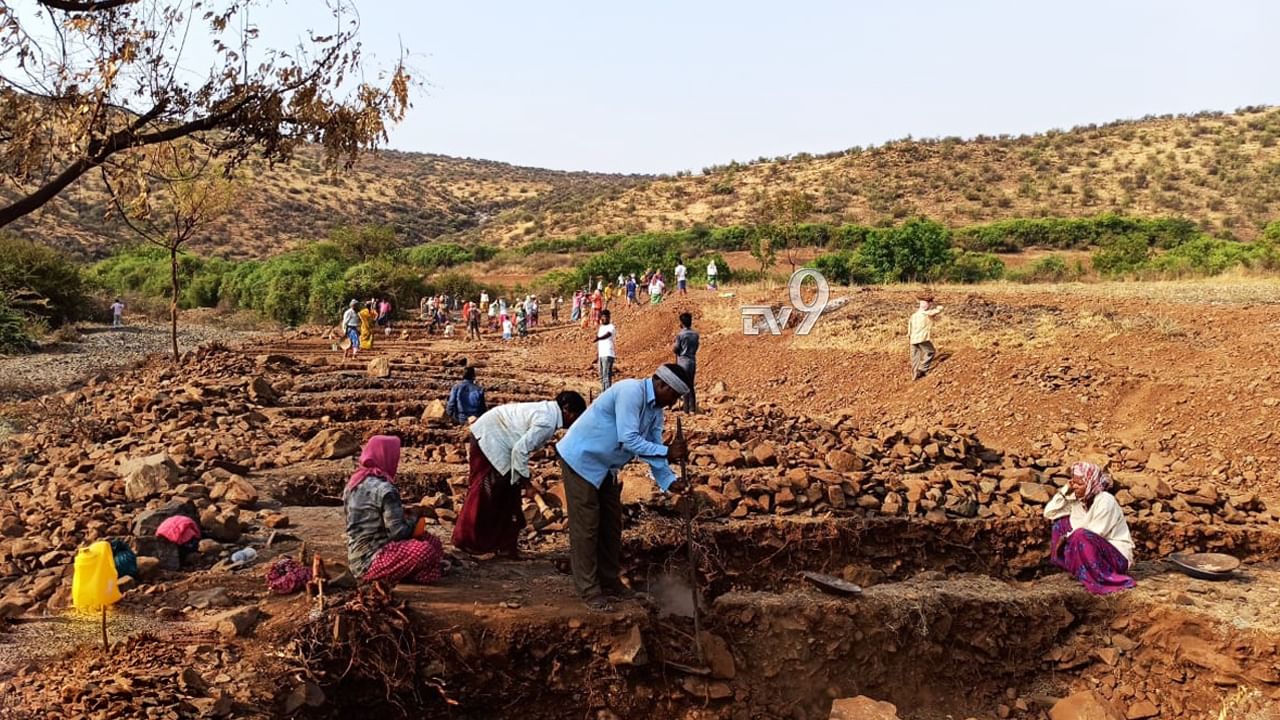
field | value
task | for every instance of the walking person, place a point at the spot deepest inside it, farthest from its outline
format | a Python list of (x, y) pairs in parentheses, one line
[(631, 290), (501, 442), (555, 309), (605, 352), (711, 275), (623, 424), (686, 351), (575, 310), (466, 398), (351, 326), (117, 313), (682, 274), (656, 288), (368, 319), (473, 321), (920, 330)]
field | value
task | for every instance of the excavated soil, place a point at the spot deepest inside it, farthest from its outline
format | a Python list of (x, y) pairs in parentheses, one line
[(814, 455)]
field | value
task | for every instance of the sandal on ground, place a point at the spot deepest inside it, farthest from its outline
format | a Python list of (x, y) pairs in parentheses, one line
[(599, 603)]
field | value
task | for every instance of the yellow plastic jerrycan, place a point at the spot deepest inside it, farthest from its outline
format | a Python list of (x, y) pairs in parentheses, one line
[(94, 584)]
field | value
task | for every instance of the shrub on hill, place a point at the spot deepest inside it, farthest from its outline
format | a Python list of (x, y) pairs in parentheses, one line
[(1207, 256), (1121, 255), (918, 250), (1052, 268), (971, 267), (1073, 233), (51, 286)]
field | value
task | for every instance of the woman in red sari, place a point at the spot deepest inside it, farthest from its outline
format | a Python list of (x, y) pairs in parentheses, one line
[(501, 442)]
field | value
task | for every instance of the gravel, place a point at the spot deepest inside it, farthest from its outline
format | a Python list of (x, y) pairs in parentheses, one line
[(100, 348)]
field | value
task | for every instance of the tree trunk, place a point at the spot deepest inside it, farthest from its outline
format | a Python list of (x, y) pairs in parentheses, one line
[(173, 306)]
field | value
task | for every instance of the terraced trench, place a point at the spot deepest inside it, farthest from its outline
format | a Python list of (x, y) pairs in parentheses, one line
[(957, 619)]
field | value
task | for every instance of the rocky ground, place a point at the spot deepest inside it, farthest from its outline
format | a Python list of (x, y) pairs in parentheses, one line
[(96, 349), (929, 510)]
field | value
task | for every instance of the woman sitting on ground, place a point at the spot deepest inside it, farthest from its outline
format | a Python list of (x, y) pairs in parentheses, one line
[(1090, 536), (382, 542)]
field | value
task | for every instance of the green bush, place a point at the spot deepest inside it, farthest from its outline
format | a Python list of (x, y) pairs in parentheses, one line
[(845, 267), (54, 285), (365, 242), (1210, 256), (1051, 268), (1121, 255), (1073, 233), (438, 255), (971, 267), (15, 334), (918, 250)]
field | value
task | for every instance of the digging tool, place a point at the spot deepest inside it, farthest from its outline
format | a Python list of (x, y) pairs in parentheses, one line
[(690, 510)]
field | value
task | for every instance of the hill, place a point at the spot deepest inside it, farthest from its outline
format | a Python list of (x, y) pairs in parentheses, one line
[(1220, 170), (423, 196)]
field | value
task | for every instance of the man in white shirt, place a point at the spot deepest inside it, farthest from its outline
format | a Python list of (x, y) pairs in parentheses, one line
[(501, 442), (605, 353), (351, 327), (681, 276), (711, 274), (919, 331), (117, 313)]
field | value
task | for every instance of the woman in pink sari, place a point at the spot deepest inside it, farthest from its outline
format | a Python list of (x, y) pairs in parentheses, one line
[(382, 542), (1090, 536)]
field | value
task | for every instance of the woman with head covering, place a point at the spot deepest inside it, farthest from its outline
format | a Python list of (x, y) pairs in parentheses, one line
[(1090, 536), (382, 542), (368, 319)]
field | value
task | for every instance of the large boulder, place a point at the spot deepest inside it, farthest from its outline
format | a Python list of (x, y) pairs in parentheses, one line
[(379, 367), (1087, 705), (239, 491), (163, 552), (261, 391), (237, 623), (862, 708), (434, 410), (329, 444), (147, 477)]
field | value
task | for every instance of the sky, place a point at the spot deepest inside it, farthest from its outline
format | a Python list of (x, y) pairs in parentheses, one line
[(663, 86)]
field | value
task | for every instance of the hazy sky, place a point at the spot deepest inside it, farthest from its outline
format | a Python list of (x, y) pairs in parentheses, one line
[(661, 86)]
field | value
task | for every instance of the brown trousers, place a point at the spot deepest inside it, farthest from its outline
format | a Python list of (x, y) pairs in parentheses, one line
[(595, 531)]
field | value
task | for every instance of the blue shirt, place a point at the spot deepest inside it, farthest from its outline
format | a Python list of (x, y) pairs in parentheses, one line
[(465, 399), (623, 424)]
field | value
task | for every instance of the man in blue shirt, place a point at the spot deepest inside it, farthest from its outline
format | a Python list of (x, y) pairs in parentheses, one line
[(623, 424), (466, 399)]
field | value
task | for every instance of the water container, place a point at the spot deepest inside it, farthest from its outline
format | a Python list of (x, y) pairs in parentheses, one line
[(244, 555), (94, 584)]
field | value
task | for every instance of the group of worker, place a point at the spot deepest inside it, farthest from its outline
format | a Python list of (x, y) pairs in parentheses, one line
[(1090, 537)]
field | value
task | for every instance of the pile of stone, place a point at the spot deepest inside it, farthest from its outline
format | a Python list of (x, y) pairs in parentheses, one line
[(1062, 376), (769, 463), (100, 457)]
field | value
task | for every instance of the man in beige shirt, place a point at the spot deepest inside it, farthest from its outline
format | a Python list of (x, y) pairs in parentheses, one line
[(919, 329)]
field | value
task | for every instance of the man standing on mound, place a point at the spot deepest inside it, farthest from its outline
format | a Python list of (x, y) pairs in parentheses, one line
[(920, 330), (623, 424)]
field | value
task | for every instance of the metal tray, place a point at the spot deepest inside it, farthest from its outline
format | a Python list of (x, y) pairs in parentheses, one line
[(1205, 566)]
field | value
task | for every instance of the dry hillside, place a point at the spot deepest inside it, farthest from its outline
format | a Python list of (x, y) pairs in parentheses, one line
[(423, 196), (1220, 170)]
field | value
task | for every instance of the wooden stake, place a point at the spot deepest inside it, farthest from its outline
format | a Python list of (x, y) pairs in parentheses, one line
[(105, 645), (690, 511)]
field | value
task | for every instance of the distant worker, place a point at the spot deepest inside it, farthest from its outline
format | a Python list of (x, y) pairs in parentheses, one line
[(656, 288), (631, 290), (466, 398), (623, 424), (1090, 535), (682, 274), (686, 351), (117, 313), (351, 326), (473, 321), (605, 349), (368, 319), (712, 270), (920, 329), (501, 442), (384, 315)]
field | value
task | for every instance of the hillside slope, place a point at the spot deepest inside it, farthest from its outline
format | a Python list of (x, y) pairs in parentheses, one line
[(423, 196), (1220, 170)]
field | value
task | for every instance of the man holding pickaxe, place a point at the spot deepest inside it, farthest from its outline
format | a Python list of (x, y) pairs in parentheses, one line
[(623, 424)]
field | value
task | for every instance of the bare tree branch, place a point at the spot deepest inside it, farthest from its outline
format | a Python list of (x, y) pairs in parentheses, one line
[(84, 5)]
